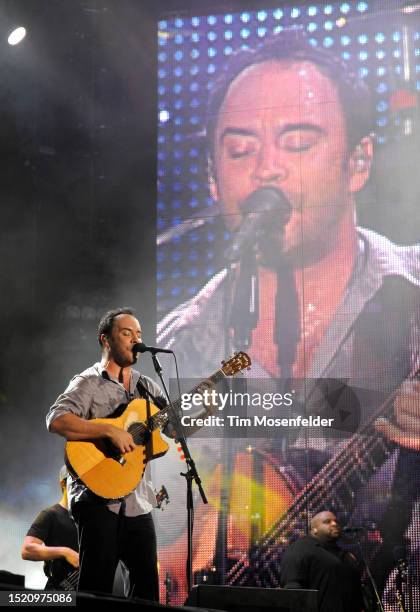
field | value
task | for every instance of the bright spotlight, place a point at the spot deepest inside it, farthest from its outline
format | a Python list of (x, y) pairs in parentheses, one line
[(164, 116), (16, 36)]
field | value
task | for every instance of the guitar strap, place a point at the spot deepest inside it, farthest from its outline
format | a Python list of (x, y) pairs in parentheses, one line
[(144, 393)]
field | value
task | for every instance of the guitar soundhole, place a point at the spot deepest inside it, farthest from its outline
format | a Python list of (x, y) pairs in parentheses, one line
[(140, 434)]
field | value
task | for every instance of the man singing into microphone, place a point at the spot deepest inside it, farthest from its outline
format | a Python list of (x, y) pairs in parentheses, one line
[(294, 119), (110, 530)]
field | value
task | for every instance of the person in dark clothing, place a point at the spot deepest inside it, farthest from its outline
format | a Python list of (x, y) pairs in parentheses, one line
[(317, 562), (52, 538)]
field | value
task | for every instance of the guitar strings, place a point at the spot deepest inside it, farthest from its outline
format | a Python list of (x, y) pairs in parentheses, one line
[(288, 523), (316, 488), (313, 493), (314, 497)]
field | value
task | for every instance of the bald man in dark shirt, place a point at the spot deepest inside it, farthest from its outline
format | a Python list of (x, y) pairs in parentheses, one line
[(317, 562)]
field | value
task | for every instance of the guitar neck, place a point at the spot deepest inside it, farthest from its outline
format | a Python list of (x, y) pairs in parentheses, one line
[(160, 419)]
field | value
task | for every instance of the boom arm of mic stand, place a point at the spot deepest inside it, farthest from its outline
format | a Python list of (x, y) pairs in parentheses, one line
[(191, 473)]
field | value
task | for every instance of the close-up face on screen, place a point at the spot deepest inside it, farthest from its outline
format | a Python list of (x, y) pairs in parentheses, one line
[(210, 384), (287, 230)]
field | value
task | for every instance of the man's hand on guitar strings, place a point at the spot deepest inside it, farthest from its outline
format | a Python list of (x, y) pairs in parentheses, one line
[(405, 430), (121, 439)]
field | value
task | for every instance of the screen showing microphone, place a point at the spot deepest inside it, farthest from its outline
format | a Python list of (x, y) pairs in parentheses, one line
[(263, 210)]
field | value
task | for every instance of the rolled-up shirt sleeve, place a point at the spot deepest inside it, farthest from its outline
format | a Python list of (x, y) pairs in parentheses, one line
[(76, 399)]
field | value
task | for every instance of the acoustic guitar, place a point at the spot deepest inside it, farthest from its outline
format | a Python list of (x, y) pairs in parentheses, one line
[(110, 475)]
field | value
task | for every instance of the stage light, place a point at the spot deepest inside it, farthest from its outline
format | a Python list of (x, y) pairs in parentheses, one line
[(16, 36), (164, 116), (341, 22)]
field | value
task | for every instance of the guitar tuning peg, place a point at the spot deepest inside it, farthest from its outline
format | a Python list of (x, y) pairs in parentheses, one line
[(223, 362)]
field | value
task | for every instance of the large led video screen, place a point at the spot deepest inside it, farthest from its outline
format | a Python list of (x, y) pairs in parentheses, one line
[(288, 223)]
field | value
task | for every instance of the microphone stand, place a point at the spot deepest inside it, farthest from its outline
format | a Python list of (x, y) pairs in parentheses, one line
[(369, 574), (191, 473)]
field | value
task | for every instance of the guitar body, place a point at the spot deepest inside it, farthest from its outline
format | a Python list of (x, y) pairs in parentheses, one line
[(98, 464), (108, 474)]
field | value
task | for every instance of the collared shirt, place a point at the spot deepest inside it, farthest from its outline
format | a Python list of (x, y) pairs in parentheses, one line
[(95, 394), (195, 327)]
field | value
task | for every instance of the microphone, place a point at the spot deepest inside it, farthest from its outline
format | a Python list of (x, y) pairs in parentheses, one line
[(140, 347), (256, 208)]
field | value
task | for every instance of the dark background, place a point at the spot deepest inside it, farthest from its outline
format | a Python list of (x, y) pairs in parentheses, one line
[(77, 101)]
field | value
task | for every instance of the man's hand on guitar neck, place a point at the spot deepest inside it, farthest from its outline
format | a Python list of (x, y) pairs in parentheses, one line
[(71, 556), (34, 549), (73, 427), (405, 430)]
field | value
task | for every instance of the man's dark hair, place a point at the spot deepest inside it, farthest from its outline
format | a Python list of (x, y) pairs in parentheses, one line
[(293, 46), (107, 320)]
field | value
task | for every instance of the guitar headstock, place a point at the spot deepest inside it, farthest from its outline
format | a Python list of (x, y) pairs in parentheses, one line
[(236, 364)]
